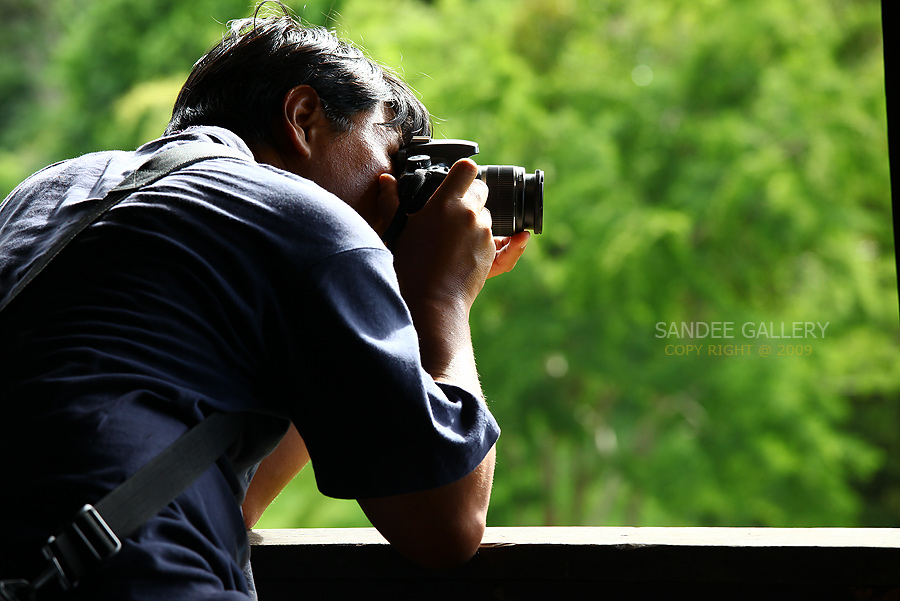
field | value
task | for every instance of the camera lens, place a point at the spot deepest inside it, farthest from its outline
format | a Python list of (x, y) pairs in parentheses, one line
[(515, 199)]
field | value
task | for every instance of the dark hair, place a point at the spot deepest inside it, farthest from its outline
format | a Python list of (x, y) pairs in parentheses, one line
[(240, 84)]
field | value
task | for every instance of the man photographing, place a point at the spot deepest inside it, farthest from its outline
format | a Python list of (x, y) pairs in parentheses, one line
[(255, 282)]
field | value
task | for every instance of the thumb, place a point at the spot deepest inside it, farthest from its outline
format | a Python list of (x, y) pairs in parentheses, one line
[(387, 202), (458, 181)]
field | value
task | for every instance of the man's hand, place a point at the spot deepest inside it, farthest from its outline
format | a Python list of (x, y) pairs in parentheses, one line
[(442, 260), (446, 249), (509, 250)]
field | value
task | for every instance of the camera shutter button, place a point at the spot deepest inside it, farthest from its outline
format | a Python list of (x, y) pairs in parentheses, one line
[(419, 161)]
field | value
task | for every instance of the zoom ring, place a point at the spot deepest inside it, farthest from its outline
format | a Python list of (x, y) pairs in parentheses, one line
[(501, 200)]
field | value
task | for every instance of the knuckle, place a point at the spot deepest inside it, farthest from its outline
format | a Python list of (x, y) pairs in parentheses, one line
[(480, 190), (487, 218)]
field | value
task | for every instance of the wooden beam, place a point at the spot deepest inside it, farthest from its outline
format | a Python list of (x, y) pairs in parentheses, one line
[(589, 563)]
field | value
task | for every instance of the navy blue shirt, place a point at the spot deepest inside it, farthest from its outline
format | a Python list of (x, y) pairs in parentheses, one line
[(227, 285)]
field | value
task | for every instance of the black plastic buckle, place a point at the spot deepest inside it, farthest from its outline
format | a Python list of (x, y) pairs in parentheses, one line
[(85, 543), (16, 590)]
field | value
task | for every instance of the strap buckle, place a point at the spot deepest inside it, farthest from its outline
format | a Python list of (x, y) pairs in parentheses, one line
[(85, 543), (16, 590)]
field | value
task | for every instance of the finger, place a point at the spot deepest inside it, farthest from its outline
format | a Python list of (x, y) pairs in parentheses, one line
[(387, 181), (388, 193), (387, 203), (509, 254), (459, 181)]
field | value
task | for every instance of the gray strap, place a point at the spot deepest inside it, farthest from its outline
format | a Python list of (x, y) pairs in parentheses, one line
[(96, 534), (157, 167), (174, 158)]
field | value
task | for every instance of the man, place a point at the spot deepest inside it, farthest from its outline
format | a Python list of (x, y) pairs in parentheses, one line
[(255, 284)]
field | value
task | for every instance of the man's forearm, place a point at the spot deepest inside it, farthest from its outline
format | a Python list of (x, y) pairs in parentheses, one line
[(445, 341), (273, 475)]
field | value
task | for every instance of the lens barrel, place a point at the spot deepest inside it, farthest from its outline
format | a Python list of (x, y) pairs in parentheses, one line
[(515, 199)]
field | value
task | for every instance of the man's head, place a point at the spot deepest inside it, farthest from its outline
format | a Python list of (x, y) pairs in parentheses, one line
[(307, 102), (242, 82)]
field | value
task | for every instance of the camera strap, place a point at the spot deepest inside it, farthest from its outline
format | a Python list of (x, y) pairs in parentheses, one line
[(408, 188), (97, 532), (158, 166)]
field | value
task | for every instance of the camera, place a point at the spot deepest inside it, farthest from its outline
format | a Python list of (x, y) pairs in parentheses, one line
[(515, 198)]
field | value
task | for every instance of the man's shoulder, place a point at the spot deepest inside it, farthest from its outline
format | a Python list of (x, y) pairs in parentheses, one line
[(82, 171), (264, 206), (279, 201)]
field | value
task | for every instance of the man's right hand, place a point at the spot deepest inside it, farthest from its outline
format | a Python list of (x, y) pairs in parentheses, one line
[(446, 249)]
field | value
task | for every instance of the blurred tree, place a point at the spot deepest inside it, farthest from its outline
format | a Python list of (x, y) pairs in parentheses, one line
[(105, 73), (25, 21), (26, 43)]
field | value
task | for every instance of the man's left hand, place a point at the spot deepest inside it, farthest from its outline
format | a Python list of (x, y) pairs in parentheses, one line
[(509, 250)]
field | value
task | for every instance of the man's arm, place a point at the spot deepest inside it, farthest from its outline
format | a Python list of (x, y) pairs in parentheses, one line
[(273, 474), (442, 259), (440, 527)]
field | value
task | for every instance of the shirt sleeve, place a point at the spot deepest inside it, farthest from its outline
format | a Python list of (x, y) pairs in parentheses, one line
[(373, 419)]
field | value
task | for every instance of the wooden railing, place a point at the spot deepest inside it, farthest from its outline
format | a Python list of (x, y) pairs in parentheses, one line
[(589, 563)]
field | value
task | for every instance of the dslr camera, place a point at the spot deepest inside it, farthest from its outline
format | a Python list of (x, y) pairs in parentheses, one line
[(515, 198)]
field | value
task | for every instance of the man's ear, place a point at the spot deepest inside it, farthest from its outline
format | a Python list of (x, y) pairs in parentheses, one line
[(302, 117)]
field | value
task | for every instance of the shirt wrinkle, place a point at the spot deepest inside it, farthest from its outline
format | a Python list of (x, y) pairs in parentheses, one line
[(238, 289)]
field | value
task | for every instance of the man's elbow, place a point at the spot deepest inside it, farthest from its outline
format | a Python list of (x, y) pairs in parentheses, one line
[(448, 546), (439, 527), (427, 536)]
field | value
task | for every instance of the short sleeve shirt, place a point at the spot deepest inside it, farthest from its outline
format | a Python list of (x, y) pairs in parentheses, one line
[(227, 285)]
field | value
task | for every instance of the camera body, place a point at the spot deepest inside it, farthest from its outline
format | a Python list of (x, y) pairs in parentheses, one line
[(515, 199)]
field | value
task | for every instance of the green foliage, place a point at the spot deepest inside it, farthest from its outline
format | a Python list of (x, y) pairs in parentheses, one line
[(705, 162)]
